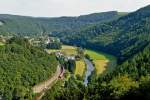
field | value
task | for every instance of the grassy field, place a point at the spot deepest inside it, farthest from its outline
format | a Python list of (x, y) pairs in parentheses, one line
[(100, 66), (80, 68), (71, 50), (101, 61), (68, 50), (98, 55)]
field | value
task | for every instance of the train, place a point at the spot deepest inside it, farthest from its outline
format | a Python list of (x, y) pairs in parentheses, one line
[(62, 72)]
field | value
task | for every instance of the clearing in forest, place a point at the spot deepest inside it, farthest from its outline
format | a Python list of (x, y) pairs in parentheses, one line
[(66, 49), (80, 68), (101, 61)]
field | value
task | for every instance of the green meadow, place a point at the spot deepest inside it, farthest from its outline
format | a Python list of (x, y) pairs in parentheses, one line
[(101, 61), (66, 49), (80, 68)]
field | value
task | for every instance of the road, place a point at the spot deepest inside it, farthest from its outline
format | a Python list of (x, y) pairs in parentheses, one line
[(41, 87)]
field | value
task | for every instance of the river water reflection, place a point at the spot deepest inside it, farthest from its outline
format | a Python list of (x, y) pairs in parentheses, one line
[(89, 70)]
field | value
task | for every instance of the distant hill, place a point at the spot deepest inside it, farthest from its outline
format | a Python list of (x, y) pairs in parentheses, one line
[(31, 26), (122, 37)]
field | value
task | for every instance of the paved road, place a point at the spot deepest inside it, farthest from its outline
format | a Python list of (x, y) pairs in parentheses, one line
[(39, 88)]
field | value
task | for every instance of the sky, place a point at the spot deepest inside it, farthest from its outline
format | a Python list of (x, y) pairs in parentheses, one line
[(56, 8)]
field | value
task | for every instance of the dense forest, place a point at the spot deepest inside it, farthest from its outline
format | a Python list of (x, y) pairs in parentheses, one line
[(122, 38), (33, 26), (21, 66), (130, 80), (127, 38)]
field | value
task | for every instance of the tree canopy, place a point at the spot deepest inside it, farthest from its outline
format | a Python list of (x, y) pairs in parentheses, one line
[(21, 67)]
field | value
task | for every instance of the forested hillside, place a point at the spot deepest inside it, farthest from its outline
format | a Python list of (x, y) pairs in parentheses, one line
[(21, 67), (128, 38), (32, 26), (129, 81), (122, 38), (125, 36)]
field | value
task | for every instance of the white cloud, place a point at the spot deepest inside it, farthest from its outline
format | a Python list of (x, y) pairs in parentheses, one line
[(67, 7)]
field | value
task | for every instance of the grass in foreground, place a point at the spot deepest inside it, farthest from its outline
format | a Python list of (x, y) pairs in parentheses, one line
[(80, 68)]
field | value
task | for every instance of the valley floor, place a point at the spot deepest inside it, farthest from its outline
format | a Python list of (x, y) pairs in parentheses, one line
[(80, 67), (102, 62)]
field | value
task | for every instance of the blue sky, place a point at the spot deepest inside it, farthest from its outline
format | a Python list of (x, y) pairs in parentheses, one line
[(55, 8)]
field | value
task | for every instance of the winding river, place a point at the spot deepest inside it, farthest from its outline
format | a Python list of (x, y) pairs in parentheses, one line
[(89, 70)]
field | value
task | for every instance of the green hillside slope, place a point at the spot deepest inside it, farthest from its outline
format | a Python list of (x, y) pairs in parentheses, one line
[(21, 67), (122, 38), (32, 26), (130, 80), (129, 39)]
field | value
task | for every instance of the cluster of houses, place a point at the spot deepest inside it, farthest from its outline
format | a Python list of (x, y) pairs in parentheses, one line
[(45, 40), (51, 40), (67, 57)]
